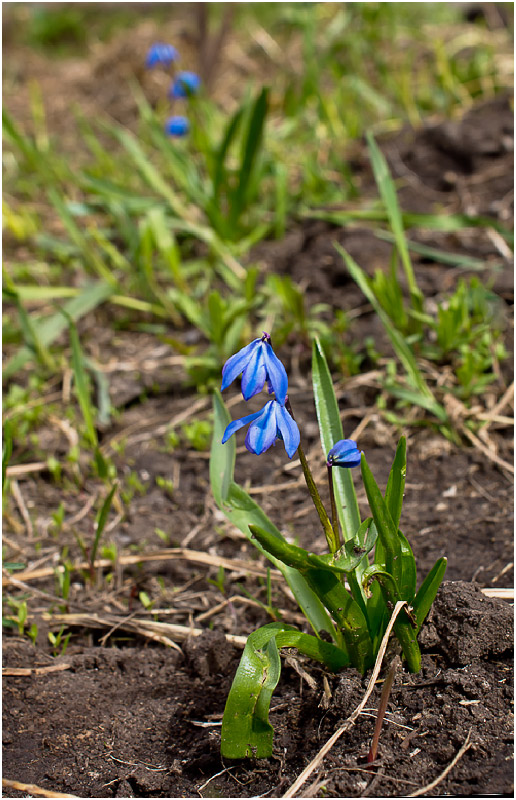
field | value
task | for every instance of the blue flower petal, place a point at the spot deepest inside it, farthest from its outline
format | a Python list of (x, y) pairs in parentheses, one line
[(345, 453), (177, 126), (162, 54), (253, 376), (262, 432), (288, 429), (237, 363), (276, 372), (185, 84), (239, 423)]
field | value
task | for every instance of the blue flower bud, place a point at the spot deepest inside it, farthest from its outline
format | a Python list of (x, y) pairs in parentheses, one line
[(271, 423), (161, 54), (344, 454), (185, 84), (177, 126)]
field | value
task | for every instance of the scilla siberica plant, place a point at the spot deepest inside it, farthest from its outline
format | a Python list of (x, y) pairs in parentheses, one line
[(347, 595), (184, 85)]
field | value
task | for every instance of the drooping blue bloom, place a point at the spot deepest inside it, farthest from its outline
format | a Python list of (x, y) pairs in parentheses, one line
[(177, 126), (271, 423), (258, 363), (161, 54), (344, 454), (185, 84)]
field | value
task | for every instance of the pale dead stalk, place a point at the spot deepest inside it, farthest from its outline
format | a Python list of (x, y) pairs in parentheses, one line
[(31, 788), (430, 786), (351, 720), (20, 502)]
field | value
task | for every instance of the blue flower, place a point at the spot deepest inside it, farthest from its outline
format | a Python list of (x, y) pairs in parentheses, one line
[(344, 454), (271, 423), (185, 84), (161, 54), (177, 126), (258, 363)]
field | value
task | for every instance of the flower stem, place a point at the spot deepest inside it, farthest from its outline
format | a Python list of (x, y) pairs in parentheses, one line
[(331, 537), (334, 518), (382, 708)]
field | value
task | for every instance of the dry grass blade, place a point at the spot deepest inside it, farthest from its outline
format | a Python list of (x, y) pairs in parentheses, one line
[(350, 721), (16, 672), (164, 632), (196, 557), (430, 786), (31, 788)]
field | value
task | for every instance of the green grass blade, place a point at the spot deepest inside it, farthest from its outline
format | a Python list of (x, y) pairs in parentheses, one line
[(423, 396), (49, 329), (250, 152), (82, 384), (100, 522), (396, 482), (387, 190), (330, 429)]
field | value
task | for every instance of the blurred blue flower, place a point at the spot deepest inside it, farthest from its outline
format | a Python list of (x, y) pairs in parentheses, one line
[(185, 84), (344, 454), (271, 423), (161, 54), (177, 126), (258, 363)]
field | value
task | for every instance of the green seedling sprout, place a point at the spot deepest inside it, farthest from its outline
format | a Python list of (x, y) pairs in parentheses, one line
[(371, 556)]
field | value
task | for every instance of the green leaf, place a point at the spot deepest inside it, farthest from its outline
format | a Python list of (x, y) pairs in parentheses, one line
[(387, 532), (330, 429), (387, 190), (246, 730), (82, 388), (404, 626), (428, 590), (101, 520), (49, 329), (222, 458), (250, 151), (396, 482), (422, 395)]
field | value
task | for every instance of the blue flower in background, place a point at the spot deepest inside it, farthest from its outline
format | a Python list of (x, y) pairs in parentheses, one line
[(177, 126), (161, 54), (185, 84), (344, 454), (258, 363), (271, 423)]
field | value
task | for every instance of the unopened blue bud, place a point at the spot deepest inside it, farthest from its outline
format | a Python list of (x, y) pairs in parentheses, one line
[(177, 126), (185, 84), (344, 454), (161, 54)]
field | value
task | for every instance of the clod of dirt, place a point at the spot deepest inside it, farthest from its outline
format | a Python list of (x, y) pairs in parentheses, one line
[(466, 625), (207, 654)]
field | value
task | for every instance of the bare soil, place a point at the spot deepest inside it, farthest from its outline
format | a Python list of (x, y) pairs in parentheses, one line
[(131, 718)]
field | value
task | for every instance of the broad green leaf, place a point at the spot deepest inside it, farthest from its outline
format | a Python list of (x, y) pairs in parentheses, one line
[(347, 613), (250, 152), (428, 590), (404, 626), (330, 428), (246, 730), (387, 532), (396, 482), (222, 458)]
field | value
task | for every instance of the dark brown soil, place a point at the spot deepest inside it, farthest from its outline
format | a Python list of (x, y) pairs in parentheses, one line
[(146, 722), (136, 719)]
